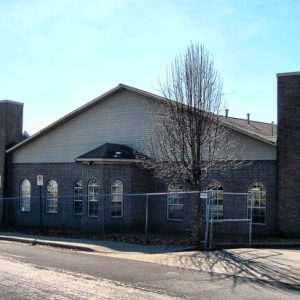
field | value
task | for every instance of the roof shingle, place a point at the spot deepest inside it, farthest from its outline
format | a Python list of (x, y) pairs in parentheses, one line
[(267, 131), (110, 151)]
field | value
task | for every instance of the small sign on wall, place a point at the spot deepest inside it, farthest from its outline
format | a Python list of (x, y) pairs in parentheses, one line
[(203, 195), (40, 180)]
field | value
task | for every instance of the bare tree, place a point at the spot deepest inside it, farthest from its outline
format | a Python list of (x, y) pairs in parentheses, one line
[(189, 140)]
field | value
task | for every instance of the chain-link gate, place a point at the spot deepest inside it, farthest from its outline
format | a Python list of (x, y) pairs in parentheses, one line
[(228, 218)]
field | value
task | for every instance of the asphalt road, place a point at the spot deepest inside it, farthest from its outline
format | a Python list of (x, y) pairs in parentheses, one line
[(39, 272)]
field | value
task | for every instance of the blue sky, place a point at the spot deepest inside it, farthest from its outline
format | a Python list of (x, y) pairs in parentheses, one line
[(57, 55)]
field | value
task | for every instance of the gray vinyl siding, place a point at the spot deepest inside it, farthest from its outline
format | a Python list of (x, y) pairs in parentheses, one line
[(124, 118), (249, 148)]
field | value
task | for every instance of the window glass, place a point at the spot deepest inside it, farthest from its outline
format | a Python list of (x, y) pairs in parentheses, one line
[(25, 195), (217, 199), (258, 205), (174, 202), (93, 193), (78, 197), (51, 196), (117, 198)]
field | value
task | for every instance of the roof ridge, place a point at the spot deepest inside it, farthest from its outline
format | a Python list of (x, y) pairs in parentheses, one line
[(237, 118), (143, 92)]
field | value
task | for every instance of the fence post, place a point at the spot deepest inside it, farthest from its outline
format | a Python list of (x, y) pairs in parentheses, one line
[(41, 210), (146, 216), (103, 211), (83, 211), (211, 220), (206, 219), (63, 214), (6, 214), (250, 223)]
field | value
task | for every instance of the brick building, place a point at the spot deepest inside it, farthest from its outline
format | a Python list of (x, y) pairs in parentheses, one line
[(11, 121), (91, 175), (288, 153)]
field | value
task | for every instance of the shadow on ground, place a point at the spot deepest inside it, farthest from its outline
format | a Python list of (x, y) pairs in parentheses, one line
[(271, 268)]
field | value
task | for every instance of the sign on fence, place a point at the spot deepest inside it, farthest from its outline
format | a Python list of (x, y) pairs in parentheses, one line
[(39, 180), (203, 195)]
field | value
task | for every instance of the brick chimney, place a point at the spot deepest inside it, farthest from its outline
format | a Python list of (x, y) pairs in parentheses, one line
[(288, 153), (11, 122)]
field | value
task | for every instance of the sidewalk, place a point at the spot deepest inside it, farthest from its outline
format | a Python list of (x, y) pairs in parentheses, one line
[(275, 266)]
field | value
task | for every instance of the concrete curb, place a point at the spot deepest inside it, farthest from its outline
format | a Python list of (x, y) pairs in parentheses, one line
[(47, 243), (260, 245), (276, 245), (188, 248), (77, 246)]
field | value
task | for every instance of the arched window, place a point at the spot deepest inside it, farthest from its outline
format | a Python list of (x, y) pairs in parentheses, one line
[(78, 197), (25, 195), (51, 196), (174, 202), (93, 193), (217, 199), (258, 199), (117, 198)]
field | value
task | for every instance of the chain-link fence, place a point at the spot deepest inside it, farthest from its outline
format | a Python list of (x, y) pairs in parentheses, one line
[(104, 213), (212, 217)]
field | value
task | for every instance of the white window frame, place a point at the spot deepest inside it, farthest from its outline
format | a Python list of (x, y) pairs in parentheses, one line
[(93, 194), (174, 194), (217, 196), (117, 197), (257, 189), (25, 195), (78, 195), (52, 197)]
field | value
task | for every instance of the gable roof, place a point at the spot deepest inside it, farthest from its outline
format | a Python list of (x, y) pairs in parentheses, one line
[(108, 150), (260, 130)]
